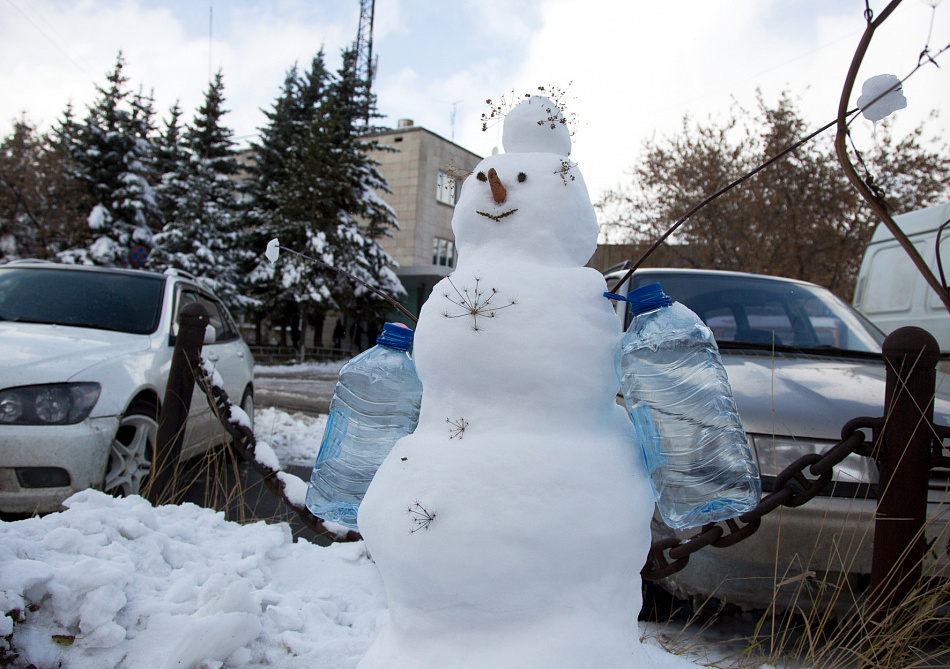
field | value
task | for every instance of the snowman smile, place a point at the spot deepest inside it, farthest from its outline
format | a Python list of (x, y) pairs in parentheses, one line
[(496, 217)]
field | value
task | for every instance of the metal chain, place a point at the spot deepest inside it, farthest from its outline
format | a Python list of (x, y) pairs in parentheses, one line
[(792, 488), (244, 442)]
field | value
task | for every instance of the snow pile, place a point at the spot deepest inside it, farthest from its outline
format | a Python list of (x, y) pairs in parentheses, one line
[(116, 582)]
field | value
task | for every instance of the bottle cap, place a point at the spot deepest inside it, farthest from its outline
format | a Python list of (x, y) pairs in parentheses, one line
[(647, 298), (395, 335)]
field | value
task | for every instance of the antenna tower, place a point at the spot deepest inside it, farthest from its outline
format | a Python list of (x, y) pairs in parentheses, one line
[(365, 66)]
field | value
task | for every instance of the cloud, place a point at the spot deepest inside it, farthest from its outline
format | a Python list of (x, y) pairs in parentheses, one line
[(635, 68), (59, 51), (638, 67)]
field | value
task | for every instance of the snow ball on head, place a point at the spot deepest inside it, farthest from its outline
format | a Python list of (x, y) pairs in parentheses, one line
[(536, 126), (529, 203)]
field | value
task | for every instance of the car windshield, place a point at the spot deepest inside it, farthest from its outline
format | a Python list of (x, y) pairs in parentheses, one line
[(744, 310), (122, 302)]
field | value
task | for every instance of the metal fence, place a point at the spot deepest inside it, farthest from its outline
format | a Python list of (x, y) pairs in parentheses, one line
[(279, 355)]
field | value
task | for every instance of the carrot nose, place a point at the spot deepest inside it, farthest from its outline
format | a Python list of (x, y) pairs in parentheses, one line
[(497, 188)]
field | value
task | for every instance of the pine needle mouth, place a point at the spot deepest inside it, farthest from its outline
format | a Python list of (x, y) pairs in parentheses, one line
[(496, 217)]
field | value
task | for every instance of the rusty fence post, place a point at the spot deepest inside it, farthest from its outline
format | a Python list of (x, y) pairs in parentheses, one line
[(192, 321), (910, 356)]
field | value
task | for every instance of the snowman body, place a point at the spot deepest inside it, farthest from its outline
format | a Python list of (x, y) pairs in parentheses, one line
[(510, 528)]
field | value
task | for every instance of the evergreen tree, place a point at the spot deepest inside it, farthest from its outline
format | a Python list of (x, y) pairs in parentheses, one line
[(284, 195), (198, 196), (208, 136), (22, 233), (169, 147), (313, 188), (112, 153), (363, 217)]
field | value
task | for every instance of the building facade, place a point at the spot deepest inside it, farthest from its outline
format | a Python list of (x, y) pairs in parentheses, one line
[(425, 173)]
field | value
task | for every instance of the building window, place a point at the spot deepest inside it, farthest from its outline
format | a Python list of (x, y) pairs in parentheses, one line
[(443, 252), (447, 188)]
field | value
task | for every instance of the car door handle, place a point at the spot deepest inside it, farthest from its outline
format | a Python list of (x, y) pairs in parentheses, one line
[(213, 357)]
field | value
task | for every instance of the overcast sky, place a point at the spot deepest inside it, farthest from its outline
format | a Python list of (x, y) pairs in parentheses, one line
[(633, 67)]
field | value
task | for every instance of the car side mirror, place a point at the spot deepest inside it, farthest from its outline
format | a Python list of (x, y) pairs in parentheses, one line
[(210, 334)]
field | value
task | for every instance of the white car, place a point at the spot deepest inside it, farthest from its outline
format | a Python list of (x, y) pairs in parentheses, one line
[(84, 359)]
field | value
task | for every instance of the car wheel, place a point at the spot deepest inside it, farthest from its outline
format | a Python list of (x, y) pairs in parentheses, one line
[(130, 456)]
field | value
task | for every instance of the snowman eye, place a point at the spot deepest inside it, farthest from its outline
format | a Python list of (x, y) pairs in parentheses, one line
[(481, 176), (522, 176)]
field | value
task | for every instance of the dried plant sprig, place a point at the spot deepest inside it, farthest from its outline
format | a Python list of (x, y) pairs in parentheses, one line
[(474, 303), (558, 114), (457, 428), (565, 171), (421, 517), (454, 171)]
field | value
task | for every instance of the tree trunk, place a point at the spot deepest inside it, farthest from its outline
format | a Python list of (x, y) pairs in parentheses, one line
[(317, 321)]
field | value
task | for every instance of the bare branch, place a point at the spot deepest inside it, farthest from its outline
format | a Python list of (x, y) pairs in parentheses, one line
[(863, 189)]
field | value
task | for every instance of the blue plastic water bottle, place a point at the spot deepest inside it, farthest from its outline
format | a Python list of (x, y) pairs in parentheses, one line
[(676, 390), (375, 403)]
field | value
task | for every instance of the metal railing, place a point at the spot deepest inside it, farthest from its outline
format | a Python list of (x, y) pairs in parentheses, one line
[(275, 354)]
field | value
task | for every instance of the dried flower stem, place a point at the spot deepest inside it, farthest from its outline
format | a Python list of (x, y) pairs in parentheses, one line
[(474, 303), (421, 517), (458, 427)]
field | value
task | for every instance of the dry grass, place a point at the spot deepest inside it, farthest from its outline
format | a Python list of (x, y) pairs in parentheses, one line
[(222, 480), (914, 635), (824, 622)]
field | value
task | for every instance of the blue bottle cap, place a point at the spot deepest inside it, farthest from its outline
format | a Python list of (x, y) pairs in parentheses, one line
[(647, 298), (395, 335)]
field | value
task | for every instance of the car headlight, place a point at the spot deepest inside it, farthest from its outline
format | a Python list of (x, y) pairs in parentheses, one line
[(856, 475), (52, 404)]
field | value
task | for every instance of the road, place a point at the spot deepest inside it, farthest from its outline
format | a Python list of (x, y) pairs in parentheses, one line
[(307, 391)]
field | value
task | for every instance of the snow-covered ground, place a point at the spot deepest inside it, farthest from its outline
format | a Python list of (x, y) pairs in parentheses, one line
[(118, 583), (294, 437), (299, 369)]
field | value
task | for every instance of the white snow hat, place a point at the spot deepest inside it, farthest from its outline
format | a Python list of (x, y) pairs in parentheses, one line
[(536, 126)]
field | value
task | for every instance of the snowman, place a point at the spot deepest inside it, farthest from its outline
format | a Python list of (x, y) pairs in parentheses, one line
[(511, 526)]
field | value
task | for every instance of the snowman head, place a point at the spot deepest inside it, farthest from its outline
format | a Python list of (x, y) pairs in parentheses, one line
[(531, 202)]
